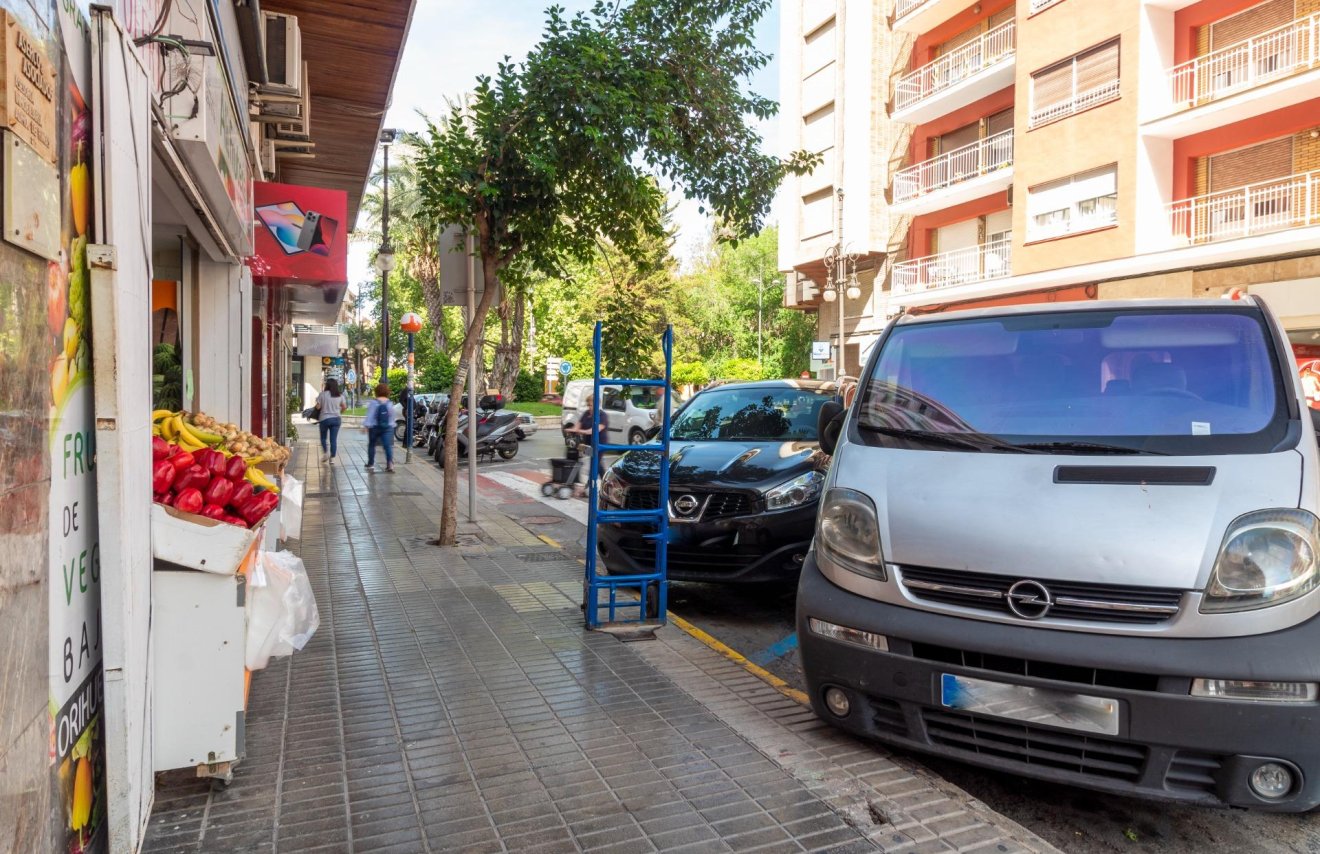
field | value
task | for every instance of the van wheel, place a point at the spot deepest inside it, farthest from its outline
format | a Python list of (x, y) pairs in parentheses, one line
[(636, 437)]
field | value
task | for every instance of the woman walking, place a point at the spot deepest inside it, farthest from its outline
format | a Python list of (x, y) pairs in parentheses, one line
[(380, 428), (330, 404)]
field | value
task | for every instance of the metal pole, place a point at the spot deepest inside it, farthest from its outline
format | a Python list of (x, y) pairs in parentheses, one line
[(385, 277), (408, 425), (760, 299), (472, 383), (839, 367)]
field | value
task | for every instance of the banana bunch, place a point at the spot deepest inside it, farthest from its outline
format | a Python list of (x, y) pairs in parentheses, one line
[(206, 432), (172, 427)]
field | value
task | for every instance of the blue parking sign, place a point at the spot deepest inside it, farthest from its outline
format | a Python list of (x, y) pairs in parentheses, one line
[(565, 368)]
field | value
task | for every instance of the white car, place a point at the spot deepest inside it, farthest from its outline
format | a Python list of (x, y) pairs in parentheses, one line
[(631, 411), (526, 425)]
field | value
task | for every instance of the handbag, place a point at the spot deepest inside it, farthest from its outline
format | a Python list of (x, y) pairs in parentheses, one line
[(312, 414)]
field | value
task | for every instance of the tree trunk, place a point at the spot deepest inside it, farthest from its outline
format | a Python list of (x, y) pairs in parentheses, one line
[(471, 340), (435, 311), (508, 354)]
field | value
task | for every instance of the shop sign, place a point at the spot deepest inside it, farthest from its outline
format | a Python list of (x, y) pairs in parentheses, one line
[(31, 198), (820, 351), (302, 234), (29, 89)]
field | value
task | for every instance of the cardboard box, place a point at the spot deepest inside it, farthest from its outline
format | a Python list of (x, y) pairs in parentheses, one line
[(197, 542)]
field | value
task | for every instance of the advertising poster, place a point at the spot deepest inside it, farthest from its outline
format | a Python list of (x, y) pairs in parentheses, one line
[(78, 798)]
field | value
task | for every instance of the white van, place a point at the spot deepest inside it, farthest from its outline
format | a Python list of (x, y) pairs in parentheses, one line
[(1078, 542), (630, 411)]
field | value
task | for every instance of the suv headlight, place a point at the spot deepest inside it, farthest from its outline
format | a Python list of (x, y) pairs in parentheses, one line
[(848, 533), (1268, 558), (796, 492), (613, 489)]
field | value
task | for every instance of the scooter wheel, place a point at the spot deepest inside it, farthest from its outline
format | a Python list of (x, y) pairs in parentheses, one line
[(508, 453), (564, 493), (547, 489)]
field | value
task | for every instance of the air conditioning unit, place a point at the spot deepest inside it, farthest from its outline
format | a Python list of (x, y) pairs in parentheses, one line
[(267, 151), (283, 52)]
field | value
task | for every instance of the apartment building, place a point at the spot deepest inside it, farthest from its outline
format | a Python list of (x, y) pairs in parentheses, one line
[(1088, 149)]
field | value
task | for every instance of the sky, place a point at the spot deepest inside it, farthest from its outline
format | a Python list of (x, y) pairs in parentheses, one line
[(453, 41)]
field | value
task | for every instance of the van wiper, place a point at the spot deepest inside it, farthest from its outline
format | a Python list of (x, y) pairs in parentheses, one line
[(1087, 448), (968, 441)]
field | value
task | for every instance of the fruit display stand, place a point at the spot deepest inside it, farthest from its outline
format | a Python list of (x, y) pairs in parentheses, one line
[(199, 610)]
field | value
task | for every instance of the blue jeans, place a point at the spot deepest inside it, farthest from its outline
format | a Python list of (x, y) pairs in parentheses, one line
[(385, 437), (330, 428)]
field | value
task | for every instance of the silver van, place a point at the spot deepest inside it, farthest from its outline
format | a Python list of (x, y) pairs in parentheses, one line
[(1078, 542), (630, 411)]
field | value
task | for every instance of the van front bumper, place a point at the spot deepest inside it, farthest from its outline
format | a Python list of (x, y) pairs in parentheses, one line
[(1169, 745)]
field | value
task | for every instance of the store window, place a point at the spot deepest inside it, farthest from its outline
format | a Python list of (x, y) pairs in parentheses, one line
[(1078, 83), (1078, 203)]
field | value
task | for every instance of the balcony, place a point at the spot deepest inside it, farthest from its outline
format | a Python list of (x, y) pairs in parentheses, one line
[(957, 267), (922, 16), (961, 175), (960, 77), (1276, 69), (1291, 202)]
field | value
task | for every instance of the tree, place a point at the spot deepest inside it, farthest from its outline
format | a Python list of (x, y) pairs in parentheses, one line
[(555, 154)]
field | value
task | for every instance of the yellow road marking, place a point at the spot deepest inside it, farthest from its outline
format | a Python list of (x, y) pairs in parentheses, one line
[(738, 658), (549, 542)]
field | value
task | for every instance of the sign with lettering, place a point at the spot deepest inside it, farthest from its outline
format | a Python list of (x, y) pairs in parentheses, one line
[(29, 88)]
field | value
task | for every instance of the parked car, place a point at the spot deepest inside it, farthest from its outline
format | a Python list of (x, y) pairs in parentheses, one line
[(631, 411), (745, 473), (526, 425), (1078, 542)]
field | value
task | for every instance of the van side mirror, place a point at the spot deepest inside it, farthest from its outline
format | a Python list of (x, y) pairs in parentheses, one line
[(829, 425)]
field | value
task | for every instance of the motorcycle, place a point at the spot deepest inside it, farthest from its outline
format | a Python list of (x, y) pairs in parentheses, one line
[(496, 432)]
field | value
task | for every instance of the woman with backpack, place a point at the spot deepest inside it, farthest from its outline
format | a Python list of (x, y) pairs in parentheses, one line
[(380, 428), (329, 405)]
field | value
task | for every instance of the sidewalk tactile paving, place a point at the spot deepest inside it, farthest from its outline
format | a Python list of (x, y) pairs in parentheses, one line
[(452, 701)]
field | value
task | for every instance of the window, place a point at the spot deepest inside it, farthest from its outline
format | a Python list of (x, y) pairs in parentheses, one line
[(818, 213), (1078, 203), (1076, 84)]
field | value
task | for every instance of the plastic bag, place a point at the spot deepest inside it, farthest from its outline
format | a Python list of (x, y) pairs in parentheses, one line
[(281, 609), (291, 504)]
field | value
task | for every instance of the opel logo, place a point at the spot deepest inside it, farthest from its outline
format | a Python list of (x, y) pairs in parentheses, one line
[(1030, 600), (686, 505)]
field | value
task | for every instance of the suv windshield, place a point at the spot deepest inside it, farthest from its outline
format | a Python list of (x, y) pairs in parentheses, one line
[(1157, 380), (735, 414)]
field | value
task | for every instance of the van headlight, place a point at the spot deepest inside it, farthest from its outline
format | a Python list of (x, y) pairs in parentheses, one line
[(796, 492), (1268, 558), (848, 533), (613, 489)]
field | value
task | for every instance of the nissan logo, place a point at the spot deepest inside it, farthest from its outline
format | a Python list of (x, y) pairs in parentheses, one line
[(1030, 600), (686, 505)]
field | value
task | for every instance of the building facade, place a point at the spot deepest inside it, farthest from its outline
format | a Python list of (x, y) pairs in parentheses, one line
[(1076, 149)]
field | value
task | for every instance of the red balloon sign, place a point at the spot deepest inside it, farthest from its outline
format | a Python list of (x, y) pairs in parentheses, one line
[(411, 323)]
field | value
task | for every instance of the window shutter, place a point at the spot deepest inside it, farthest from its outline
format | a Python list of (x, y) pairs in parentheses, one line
[(1250, 22), (1052, 86), (1000, 121), (1097, 67), (1265, 162), (965, 135)]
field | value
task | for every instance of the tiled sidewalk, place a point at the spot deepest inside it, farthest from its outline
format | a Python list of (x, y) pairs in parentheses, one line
[(451, 701)]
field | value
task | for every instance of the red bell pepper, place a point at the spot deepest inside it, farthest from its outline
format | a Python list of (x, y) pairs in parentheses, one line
[(233, 520), (161, 498), (214, 511), (160, 449), (182, 460), (189, 500), (194, 477), (236, 469), (219, 491), (242, 492), (259, 507), (162, 476), (216, 463)]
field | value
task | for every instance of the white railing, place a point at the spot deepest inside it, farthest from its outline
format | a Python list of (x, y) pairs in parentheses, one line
[(955, 66), (1279, 53), (1078, 102), (1291, 202), (961, 164), (959, 267), (1037, 5), (902, 7)]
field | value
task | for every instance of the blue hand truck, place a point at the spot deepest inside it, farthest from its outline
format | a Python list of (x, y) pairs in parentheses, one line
[(601, 600)]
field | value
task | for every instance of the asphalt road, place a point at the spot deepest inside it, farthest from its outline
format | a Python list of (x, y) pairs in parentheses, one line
[(757, 620)]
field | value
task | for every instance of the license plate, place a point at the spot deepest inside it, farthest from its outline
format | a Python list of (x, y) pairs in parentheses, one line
[(1031, 705)]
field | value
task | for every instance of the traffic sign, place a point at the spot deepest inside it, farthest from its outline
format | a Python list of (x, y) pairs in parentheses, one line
[(565, 368)]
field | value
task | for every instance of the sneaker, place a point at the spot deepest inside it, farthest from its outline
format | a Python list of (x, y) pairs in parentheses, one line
[(325, 457), (389, 469), (332, 461), (370, 467)]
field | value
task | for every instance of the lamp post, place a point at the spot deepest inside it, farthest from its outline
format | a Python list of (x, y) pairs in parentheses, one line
[(840, 281), (385, 257), (411, 324)]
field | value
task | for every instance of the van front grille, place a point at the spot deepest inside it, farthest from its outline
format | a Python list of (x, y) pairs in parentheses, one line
[(1071, 600)]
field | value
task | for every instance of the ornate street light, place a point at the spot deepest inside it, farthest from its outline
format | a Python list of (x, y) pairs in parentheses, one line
[(840, 281)]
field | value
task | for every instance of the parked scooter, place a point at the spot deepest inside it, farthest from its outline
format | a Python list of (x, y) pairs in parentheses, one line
[(496, 432)]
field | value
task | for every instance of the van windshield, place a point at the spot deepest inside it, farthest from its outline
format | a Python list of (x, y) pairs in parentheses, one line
[(1158, 381)]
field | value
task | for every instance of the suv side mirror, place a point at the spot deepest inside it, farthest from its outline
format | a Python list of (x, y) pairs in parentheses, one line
[(829, 425)]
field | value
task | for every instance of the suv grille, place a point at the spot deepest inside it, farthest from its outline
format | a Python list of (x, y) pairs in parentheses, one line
[(721, 504), (1100, 603), (1033, 745)]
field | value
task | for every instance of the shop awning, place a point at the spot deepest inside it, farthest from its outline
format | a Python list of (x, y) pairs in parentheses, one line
[(352, 49)]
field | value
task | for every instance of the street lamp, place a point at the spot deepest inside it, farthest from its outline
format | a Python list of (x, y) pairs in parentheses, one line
[(840, 281), (385, 256)]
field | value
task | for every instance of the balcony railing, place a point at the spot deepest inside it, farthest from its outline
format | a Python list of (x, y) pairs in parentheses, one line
[(955, 66), (961, 164), (958, 267), (902, 7), (1282, 52), (1291, 202), (1077, 103)]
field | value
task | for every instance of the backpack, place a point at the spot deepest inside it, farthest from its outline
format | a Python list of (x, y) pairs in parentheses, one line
[(380, 414)]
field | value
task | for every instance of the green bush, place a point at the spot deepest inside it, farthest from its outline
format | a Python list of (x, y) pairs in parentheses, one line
[(739, 370), (528, 387), (437, 374), (690, 373), (398, 380)]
